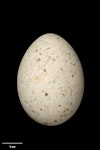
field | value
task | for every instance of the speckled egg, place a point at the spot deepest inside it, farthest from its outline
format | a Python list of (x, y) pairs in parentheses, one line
[(50, 80)]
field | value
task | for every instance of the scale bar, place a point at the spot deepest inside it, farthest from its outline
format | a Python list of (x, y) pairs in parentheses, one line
[(12, 143)]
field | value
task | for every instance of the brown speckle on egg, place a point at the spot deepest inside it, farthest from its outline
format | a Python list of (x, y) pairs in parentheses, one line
[(53, 59), (60, 87), (40, 53), (48, 48), (61, 69), (63, 115), (64, 94), (57, 37), (50, 82), (38, 78), (38, 60), (46, 123), (64, 110), (26, 101), (72, 75), (36, 50), (71, 92), (44, 70), (33, 111), (55, 120), (33, 92), (46, 94), (62, 90), (69, 54), (72, 63)]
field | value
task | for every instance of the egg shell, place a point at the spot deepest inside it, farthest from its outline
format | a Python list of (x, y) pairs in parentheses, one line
[(50, 80)]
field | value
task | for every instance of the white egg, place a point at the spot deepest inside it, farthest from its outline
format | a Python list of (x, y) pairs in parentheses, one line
[(50, 80)]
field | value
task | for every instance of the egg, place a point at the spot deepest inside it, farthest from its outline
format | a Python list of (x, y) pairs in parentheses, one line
[(50, 80)]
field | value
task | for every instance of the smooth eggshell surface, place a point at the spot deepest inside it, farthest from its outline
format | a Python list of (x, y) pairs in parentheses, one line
[(50, 80)]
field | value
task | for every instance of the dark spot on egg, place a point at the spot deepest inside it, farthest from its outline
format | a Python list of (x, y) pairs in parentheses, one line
[(61, 69), (64, 94), (26, 101), (71, 92), (40, 53), (55, 120), (44, 70), (38, 59), (41, 109), (36, 50), (60, 87), (50, 82), (33, 111), (46, 123), (53, 59), (57, 37), (72, 75), (33, 92), (59, 105), (46, 94), (49, 57)]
